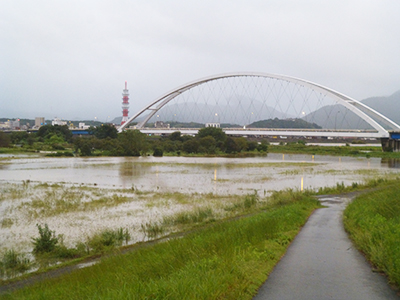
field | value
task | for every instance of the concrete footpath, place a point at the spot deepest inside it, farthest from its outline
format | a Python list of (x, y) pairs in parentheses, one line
[(322, 263)]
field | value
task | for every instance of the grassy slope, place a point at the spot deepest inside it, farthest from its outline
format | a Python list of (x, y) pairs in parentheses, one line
[(229, 260), (373, 223)]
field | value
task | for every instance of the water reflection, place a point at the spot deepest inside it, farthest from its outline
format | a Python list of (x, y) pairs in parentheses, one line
[(131, 171), (391, 162)]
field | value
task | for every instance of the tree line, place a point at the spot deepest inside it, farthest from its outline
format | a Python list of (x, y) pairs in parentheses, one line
[(105, 140)]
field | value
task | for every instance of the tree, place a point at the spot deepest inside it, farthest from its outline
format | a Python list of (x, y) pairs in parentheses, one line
[(207, 144), (231, 146), (158, 151), (241, 142), (104, 131), (262, 147), (191, 146), (4, 140), (217, 133), (47, 131), (132, 143), (175, 136)]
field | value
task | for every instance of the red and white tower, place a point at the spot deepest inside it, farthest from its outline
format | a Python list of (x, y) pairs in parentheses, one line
[(125, 104)]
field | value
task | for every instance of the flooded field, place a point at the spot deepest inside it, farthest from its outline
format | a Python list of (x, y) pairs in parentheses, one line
[(78, 197)]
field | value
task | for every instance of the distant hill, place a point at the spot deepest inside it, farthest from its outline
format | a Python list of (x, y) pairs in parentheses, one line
[(336, 117), (235, 113), (388, 106), (286, 123)]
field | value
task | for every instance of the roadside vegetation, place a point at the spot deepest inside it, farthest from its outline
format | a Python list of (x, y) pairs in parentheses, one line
[(373, 223)]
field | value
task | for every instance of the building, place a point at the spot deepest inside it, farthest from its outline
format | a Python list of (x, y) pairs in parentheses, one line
[(161, 124), (216, 125), (57, 121), (39, 121)]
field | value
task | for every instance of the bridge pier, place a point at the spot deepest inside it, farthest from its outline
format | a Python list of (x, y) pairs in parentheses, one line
[(391, 144)]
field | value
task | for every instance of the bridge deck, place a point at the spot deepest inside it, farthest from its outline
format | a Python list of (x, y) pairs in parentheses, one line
[(274, 132)]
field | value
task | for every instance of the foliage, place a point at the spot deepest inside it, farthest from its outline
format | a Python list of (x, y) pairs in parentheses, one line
[(104, 131), (46, 242), (263, 146), (373, 222), (48, 131), (131, 143), (175, 136), (4, 139), (217, 133), (108, 239), (191, 146), (13, 263), (158, 152)]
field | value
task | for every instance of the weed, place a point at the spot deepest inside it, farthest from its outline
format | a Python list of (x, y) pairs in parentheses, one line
[(152, 230), (108, 239), (13, 263), (46, 242), (197, 216)]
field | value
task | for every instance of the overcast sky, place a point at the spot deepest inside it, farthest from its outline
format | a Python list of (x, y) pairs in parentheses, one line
[(70, 58)]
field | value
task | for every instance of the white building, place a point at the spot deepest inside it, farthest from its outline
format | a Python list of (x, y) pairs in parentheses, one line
[(58, 121), (216, 125)]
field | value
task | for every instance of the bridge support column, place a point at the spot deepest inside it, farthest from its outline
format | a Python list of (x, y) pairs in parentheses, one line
[(391, 144)]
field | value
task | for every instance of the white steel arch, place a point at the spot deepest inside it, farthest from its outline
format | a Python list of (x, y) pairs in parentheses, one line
[(353, 105)]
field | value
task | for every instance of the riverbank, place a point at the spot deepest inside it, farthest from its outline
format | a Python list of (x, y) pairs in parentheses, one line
[(373, 223), (225, 258), (229, 259)]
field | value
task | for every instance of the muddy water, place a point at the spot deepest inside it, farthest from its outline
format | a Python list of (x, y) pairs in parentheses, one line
[(202, 175), (21, 210)]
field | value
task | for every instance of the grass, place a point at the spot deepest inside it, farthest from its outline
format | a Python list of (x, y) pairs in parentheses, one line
[(373, 223), (228, 260), (13, 263), (361, 151)]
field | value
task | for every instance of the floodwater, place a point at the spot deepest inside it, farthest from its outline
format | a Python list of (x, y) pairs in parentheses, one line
[(65, 192), (199, 174)]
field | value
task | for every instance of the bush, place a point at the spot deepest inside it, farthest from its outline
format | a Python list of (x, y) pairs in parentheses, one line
[(158, 152), (46, 242)]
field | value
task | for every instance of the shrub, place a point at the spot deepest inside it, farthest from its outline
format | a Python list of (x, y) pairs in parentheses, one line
[(158, 152), (46, 242)]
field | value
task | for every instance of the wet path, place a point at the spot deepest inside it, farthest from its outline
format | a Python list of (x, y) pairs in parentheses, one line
[(322, 263)]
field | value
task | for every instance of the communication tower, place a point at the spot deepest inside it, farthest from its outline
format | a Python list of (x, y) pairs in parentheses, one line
[(125, 104)]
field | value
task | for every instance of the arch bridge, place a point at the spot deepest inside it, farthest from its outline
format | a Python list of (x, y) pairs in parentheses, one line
[(240, 101)]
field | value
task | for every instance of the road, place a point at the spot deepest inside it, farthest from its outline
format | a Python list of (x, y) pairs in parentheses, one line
[(322, 263)]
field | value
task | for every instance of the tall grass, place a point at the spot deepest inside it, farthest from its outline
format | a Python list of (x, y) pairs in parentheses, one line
[(373, 223), (13, 263), (228, 260)]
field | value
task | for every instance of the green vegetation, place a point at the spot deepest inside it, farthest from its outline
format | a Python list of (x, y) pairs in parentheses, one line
[(46, 242), (13, 263), (228, 260), (105, 141), (373, 223), (301, 147)]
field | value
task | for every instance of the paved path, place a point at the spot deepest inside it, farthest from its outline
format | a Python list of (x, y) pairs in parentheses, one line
[(322, 263)]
